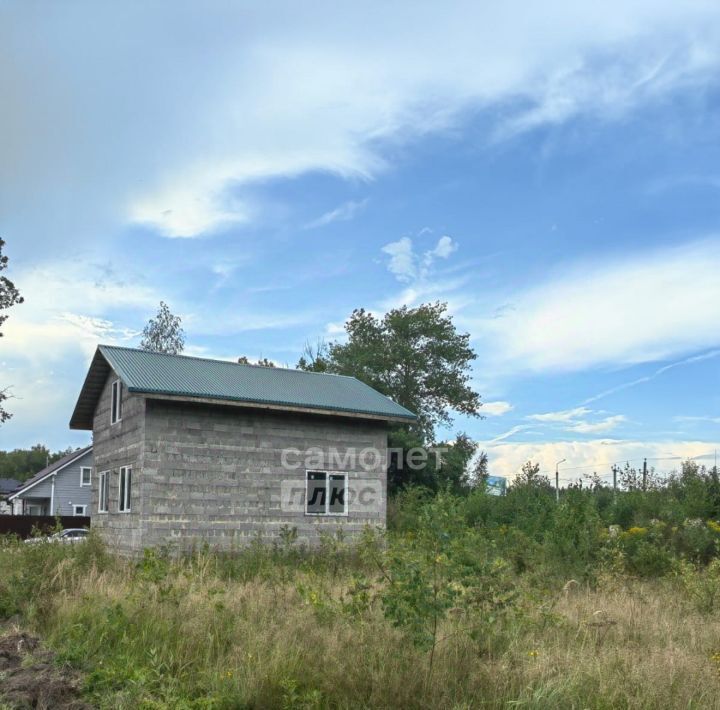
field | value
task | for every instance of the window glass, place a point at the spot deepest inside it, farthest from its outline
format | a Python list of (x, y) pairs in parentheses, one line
[(85, 476), (125, 489), (336, 494), (121, 496), (315, 493), (116, 402), (103, 492)]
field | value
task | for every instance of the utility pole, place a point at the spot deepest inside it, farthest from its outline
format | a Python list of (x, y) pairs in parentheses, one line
[(614, 470), (557, 480), (644, 474)]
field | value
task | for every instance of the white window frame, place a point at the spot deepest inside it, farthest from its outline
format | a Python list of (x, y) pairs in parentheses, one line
[(116, 402), (75, 509), (327, 513), (124, 502), (82, 480), (103, 492)]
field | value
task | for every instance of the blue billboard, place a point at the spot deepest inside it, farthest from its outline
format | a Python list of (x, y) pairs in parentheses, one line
[(496, 485)]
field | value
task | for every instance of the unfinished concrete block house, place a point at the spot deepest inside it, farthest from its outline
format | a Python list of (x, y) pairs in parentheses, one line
[(188, 449)]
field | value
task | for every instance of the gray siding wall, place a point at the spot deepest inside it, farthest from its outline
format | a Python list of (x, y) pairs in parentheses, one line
[(116, 445), (68, 491), (216, 473)]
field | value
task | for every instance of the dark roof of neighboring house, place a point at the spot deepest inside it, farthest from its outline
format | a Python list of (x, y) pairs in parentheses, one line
[(168, 376), (48, 470), (8, 485)]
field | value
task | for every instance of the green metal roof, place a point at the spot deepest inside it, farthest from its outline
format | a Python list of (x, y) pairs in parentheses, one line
[(179, 375)]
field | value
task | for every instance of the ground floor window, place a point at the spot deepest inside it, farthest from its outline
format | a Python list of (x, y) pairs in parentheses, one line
[(124, 489), (326, 493), (103, 497), (79, 509)]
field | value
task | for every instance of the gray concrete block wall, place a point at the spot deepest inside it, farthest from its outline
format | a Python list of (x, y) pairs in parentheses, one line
[(215, 473), (116, 445)]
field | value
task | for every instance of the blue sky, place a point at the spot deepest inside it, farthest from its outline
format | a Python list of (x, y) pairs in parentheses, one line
[(551, 173)]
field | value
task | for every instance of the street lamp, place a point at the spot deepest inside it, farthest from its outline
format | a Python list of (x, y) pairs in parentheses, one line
[(557, 479)]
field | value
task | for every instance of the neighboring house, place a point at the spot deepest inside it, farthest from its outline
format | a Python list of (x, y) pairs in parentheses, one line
[(7, 486), (62, 488), (190, 449)]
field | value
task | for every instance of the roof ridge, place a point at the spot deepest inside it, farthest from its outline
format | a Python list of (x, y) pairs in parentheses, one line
[(229, 362)]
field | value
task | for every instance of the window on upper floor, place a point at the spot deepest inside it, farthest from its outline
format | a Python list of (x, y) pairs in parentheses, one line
[(116, 402), (85, 475)]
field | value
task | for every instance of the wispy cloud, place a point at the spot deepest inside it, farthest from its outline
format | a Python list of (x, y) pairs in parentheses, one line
[(324, 90), (648, 378), (710, 419), (509, 433), (343, 213), (600, 427), (577, 420), (646, 307), (561, 416)]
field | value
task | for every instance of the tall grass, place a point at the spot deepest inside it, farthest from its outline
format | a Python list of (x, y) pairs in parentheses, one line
[(287, 628)]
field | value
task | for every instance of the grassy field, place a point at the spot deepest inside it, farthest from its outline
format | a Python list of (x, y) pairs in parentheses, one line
[(441, 615)]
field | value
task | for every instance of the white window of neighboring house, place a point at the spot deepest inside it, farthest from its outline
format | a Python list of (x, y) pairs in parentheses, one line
[(326, 493), (85, 475), (125, 488), (116, 402), (103, 492), (79, 509)]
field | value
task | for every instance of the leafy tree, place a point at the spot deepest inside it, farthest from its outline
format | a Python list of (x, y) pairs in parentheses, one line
[(164, 333), (262, 362), (454, 470), (530, 476), (413, 355), (9, 296), (23, 463), (314, 357), (480, 472)]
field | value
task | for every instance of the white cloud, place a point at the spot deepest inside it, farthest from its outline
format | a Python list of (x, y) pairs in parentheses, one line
[(496, 409), (600, 427), (343, 213), (651, 306), (561, 416), (584, 457), (408, 266), (442, 250), (159, 130), (402, 259)]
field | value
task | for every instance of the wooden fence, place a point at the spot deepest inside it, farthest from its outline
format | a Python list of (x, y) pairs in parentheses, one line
[(24, 525)]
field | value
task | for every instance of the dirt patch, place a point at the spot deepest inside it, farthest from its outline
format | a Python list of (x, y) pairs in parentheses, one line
[(30, 678)]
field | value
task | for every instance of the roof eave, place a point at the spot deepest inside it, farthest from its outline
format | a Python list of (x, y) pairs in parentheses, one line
[(82, 416), (274, 406)]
